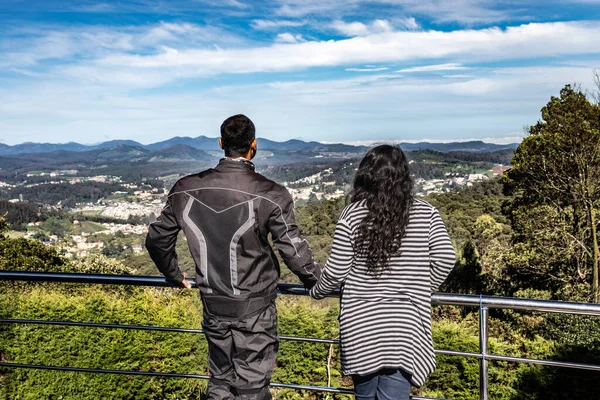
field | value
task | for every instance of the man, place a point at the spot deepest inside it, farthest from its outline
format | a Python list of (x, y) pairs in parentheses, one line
[(227, 213)]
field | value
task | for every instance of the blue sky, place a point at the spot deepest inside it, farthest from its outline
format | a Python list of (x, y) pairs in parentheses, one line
[(335, 71)]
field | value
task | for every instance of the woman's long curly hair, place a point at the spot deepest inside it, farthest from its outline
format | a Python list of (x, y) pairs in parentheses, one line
[(383, 180)]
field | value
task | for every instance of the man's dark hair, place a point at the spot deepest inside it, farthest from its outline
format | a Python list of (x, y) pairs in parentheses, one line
[(237, 134)]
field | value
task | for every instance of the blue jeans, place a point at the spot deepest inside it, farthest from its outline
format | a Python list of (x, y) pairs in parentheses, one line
[(385, 384)]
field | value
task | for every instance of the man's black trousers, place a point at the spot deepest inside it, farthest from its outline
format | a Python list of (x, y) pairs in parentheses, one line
[(241, 354)]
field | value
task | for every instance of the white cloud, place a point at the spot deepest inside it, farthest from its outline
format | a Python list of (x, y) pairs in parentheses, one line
[(289, 38), (433, 68), (166, 52), (182, 34), (381, 25), (262, 24), (360, 29), (368, 69), (299, 8), (95, 7), (351, 28), (476, 87), (28, 46), (286, 85), (235, 3), (467, 12), (493, 44), (406, 23)]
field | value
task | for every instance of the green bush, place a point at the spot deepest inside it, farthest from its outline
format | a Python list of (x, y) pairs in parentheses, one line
[(303, 362), (458, 377), (98, 347)]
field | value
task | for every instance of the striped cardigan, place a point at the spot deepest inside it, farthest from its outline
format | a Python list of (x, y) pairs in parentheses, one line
[(385, 321)]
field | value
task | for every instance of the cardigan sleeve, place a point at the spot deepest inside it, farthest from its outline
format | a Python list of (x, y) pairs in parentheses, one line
[(339, 263), (441, 252)]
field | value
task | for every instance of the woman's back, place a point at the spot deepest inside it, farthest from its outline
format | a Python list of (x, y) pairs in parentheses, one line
[(385, 318)]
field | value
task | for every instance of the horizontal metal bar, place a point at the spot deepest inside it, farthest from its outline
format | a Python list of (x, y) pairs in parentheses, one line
[(97, 325), (458, 353), (166, 375), (454, 353), (294, 289), (327, 389), (513, 303), (424, 398), (146, 328), (549, 363), (103, 371), (310, 340), (191, 330), (103, 279), (294, 338), (496, 357), (129, 280)]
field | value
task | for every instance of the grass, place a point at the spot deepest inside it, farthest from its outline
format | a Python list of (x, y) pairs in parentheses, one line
[(91, 227), (167, 177), (483, 171), (15, 234), (93, 213), (119, 196)]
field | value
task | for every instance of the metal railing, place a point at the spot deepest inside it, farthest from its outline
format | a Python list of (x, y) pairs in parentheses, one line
[(483, 303)]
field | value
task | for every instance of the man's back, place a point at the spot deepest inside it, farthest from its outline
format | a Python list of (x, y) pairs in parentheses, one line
[(227, 213)]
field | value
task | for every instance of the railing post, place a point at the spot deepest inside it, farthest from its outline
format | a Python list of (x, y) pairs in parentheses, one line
[(483, 348)]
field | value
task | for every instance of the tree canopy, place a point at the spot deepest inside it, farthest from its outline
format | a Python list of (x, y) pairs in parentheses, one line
[(558, 165)]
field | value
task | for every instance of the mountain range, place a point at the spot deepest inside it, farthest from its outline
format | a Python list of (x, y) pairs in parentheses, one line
[(203, 143)]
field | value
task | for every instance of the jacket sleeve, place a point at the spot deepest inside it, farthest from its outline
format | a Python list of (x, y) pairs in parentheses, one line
[(292, 247), (441, 252), (161, 241), (339, 264)]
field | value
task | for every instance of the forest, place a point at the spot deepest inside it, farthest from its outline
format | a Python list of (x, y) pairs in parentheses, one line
[(531, 233)]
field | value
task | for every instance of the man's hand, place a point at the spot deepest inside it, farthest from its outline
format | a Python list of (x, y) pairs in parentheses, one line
[(185, 283)]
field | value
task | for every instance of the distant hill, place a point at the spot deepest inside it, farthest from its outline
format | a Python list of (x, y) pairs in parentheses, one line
[(289, 145), (497, 157), (113, 143), (212, 144), (200, 142), (122, 152), (30, 147), (472, 146), (181, 152)]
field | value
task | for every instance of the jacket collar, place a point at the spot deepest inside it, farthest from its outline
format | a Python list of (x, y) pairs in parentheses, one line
[(234, 165)]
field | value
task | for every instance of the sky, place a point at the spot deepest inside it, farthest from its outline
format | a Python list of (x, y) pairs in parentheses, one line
[(350, 71)]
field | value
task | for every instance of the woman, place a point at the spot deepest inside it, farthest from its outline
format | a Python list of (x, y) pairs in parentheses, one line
[(390, 251)]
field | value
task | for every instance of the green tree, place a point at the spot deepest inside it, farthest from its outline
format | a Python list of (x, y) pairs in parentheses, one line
[(466, 276), (29, 255), (58, 227), (558, 164), (3, 226), (546, 256)]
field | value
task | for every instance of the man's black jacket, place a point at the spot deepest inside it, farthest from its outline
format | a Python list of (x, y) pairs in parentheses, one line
[(227, 213)]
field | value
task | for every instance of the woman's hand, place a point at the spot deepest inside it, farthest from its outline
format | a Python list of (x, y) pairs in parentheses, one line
[(185, 283)]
